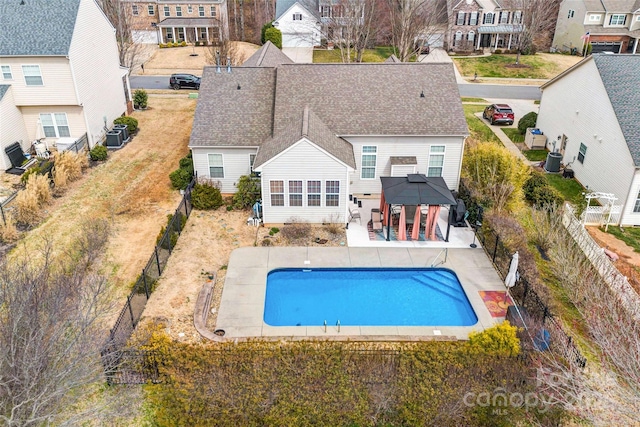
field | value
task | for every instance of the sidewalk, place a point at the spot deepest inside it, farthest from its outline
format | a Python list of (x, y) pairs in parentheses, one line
[(506, 141)]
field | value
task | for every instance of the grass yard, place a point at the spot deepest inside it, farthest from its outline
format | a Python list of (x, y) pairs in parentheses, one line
[(478, 130), (514, 134), (378, 54), (629, 235), (474, 100), (570, 188), (535, 155), (503, 66)]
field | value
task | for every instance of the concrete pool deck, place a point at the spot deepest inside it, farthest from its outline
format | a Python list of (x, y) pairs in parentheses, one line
[(241, 309)]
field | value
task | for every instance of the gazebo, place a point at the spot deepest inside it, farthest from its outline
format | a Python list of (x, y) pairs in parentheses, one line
[(415, 190)]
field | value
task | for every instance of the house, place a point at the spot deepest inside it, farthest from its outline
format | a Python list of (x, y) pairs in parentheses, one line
[(60, 70), (477, 24), (164, 21), (591, 115), (320, 133), (609, 25), (300, 24)]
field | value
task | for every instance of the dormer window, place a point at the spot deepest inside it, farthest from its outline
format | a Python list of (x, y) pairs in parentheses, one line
[(617, 19), (297, 17)]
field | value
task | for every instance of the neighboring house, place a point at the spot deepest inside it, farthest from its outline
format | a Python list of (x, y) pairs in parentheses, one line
[(318, 133), (609, 25), (477, 24), (60, 59), (299, 23), (591, 115), (163, 21)]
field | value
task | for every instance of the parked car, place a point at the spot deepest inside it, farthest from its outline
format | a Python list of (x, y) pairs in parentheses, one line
[(178, 81), (499, 113)]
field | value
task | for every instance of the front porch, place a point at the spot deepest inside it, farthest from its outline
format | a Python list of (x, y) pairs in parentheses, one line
[(190, 30)]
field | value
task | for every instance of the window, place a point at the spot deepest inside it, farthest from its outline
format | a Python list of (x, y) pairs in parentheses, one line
[(488, 18), (32, 76), (178, 10), (134, 9), (252, 158), (369, 162), (517, 17), (180, 33), (570, 14), (216, 168), (473, 20), (504, 17), (617, 19), (594, 17), (6, 72), (200, 10), (151, 10), (166, 11), (325, 11), (456, 41), (332, 189), (638, 18), (213, 11), (582, 153), (169, 34), (297, 17), (471, 36), (636, 208), (190, 9), (295, 193), (436, 160), (276, 189), (461, 16), (313, 193), (55, 125)]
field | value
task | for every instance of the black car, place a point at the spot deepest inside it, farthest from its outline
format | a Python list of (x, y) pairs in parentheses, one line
[(178, 81)]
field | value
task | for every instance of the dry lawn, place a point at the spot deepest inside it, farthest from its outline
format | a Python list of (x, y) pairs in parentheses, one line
[(131, 189)]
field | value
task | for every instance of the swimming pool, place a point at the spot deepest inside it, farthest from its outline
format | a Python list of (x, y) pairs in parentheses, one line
[(366, 297)]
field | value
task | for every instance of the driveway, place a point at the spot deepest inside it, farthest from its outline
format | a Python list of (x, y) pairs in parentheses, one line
[(299, 55)]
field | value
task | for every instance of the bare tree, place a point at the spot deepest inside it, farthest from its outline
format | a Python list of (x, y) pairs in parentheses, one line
[(349, 25), (412, 20), (51, 315), (538, 22), (121, 17)]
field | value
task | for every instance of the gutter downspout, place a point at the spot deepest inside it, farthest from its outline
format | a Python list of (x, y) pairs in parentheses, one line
[(626, 199)]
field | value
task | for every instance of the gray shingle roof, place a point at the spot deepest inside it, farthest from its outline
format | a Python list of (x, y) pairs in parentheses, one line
[(599, 29), (267, 56), (373, 99), (3, 90), (619, 5), (228, 116), (621, 79), (311, 127), (283, 5), (39, 27)]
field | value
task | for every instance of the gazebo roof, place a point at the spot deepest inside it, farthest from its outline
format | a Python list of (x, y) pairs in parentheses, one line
[(416, 189)]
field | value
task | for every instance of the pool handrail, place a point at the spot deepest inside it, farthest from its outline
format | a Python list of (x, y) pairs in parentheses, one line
[(446, 252)]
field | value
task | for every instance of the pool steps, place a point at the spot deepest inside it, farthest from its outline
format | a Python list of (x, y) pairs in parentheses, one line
[(443, 289)]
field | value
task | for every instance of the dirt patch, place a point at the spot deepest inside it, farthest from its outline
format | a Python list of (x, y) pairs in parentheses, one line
[(191, 59), (629, 261)]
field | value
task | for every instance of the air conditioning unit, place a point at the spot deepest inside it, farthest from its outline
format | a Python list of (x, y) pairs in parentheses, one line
[(124, 130), (114, 139)]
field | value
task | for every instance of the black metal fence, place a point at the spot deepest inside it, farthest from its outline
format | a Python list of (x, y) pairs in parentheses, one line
[(3, 206), (117, 360), (80, 144), (539, 316)]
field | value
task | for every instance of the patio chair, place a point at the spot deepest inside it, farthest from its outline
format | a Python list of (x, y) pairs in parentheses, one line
[(376, 219), (354, 214)]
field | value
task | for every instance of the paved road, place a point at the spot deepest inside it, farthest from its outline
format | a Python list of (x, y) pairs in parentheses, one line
[(466, 89), (499, 91)]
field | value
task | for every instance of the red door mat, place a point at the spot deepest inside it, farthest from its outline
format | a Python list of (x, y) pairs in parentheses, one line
[(496, 302)]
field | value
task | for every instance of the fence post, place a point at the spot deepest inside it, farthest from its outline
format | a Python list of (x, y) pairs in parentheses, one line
[(144, 280), (4, 221), (133, 322), (158, 261), (495, 249)]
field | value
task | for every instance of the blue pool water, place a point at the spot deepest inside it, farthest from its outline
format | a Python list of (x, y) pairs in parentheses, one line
[(366, 297)]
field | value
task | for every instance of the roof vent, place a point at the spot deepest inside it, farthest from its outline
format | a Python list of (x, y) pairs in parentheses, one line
[(22, 2), (217, 61), (421, 94)]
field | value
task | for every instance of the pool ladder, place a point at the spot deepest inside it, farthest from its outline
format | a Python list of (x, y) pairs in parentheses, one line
[(337, 324)]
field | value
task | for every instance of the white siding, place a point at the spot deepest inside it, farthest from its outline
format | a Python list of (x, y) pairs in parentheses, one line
[(578, 106), (304, 33), (12, 128), (96, 69), (405, 146), (294, 164), (31, 117), (628, 216), (57, 82), (235, 162)]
